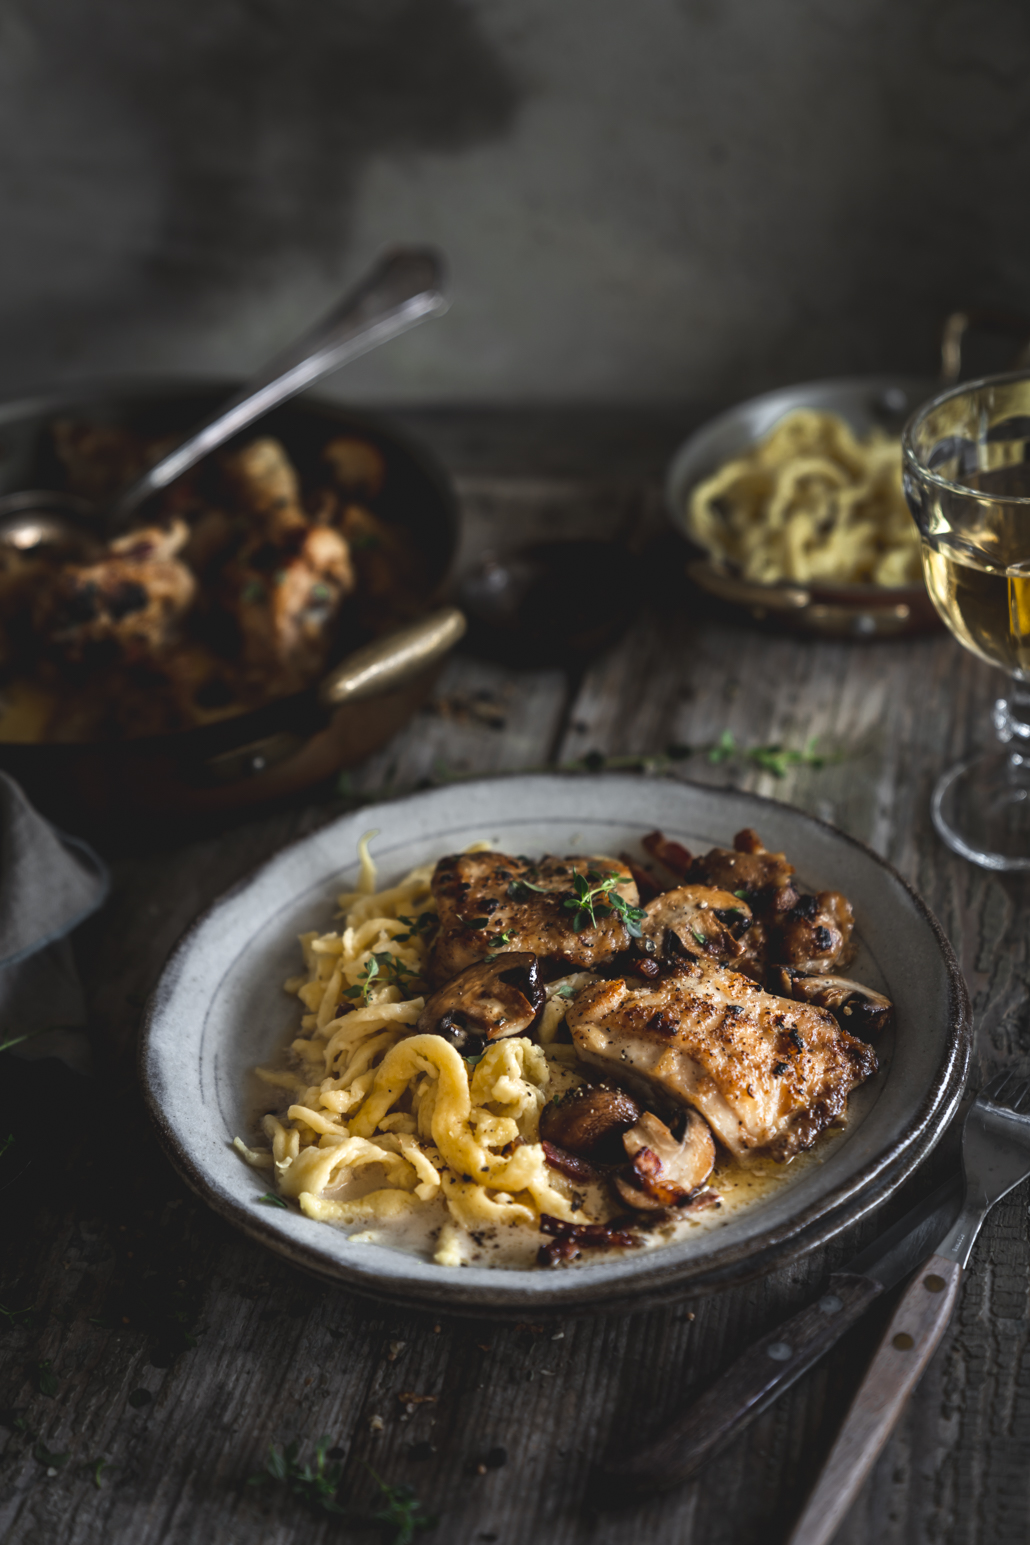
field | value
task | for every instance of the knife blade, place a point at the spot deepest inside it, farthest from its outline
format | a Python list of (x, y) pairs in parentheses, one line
[(772, 1364)]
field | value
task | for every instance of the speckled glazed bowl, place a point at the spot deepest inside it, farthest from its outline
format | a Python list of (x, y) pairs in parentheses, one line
[(219, 1009)]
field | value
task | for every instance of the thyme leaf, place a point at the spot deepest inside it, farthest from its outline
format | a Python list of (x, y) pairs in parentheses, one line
[(314, 1484), (401, 1512)]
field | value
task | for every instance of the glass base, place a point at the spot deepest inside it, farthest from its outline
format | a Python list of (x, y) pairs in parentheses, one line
[(981, 808)]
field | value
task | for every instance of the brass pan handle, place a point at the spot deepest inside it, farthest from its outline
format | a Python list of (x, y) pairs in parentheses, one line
[(391, 662)]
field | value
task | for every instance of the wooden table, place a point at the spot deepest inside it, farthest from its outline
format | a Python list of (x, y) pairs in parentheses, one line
[(168, 1345)]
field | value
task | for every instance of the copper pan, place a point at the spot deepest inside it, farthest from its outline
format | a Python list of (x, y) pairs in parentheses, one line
[(198, 777)]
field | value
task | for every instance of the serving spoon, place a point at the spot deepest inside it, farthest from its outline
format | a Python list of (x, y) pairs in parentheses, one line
[(405, 285)]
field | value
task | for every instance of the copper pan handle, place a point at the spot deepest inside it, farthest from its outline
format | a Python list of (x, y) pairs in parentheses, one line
[(392, 661)]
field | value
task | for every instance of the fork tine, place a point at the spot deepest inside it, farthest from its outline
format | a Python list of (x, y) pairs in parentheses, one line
[(992, 1090), (1020, 1100)]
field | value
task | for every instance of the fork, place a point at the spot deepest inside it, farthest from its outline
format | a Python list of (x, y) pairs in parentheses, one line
[(995, 1158)]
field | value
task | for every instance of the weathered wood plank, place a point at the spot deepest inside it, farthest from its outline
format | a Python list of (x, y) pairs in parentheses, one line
[(121, 1261)]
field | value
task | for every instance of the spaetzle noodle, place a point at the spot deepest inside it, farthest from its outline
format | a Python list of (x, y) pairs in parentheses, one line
[(810, 502), (379, 1123)]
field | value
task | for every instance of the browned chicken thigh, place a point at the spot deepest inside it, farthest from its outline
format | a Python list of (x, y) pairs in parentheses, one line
[(128, 603), (766, 1073), (287, 579), (490, 901)]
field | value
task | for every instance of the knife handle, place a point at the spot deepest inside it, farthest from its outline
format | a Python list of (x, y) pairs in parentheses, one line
[(748, 1386), (908, 1344)]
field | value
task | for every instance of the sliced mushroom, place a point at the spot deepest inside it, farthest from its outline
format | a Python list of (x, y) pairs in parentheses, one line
[(665, 1170), (816, 933), (856, 1008), (704, 920), (485, 1002), (589, 1120)]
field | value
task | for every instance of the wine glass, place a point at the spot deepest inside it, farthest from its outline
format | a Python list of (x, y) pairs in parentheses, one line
[(966, 469)]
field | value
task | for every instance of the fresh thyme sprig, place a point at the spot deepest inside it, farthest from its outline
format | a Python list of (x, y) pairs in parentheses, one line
[(424, 923), (601, 896), (392, 971)]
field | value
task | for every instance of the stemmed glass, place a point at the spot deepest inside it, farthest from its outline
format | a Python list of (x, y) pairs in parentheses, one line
[(966, 468)]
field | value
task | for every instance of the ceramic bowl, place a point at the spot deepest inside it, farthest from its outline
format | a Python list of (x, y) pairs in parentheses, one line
[(219, 1010)]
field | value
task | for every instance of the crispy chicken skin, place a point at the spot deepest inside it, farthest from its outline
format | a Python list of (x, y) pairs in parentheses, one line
[(127, 604), (767, 1074), (484, 896), (287, 580)]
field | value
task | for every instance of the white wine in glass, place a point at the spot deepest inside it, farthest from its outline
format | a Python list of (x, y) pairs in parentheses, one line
[(967, 481)]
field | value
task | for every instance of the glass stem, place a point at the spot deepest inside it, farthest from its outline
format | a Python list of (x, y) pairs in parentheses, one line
[(1012, 715)]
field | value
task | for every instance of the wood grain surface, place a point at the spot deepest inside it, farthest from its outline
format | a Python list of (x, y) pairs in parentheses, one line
[(909, 1341), (163, 1342)]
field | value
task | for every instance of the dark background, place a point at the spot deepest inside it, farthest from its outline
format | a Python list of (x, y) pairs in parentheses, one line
[(643, 200)]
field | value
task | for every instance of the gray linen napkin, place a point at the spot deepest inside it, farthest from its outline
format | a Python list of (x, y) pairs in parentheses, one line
[(49, 883)]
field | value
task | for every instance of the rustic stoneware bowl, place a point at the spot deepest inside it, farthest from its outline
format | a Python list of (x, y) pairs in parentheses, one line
[(219, 1009), (834, 610)]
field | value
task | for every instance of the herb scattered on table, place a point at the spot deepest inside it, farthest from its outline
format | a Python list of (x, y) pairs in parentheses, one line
[(401, 1512), (96, 1468), (12, 1316), (5, 1143), (725, 748), (46, 1379), (53, 1462), (776, 759), (315, 1485)]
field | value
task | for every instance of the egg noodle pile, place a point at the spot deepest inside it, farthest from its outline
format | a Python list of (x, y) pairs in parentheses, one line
[(369, 1095), (811, 502)]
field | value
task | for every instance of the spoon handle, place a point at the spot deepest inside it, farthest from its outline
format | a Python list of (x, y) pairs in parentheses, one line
[(405, 285)]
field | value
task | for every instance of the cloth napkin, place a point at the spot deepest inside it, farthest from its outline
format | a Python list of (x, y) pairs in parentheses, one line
[(49, 884)]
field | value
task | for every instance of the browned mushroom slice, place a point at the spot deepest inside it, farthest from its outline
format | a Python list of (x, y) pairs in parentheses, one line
[(485, 1002), (665, 1171), (855, 1007), (714, 922), (589, 1120), (815, 934)]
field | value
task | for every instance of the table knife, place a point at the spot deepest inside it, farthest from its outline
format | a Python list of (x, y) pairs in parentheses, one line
[(770, 1366)]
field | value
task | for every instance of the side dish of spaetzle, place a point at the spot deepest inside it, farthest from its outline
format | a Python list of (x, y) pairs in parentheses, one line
[(810, 502)]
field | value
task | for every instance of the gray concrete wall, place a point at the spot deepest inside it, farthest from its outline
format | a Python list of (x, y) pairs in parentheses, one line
[(641, 199)]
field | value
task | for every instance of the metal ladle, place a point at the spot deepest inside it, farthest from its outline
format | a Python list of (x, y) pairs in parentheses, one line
[(403, 287)]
